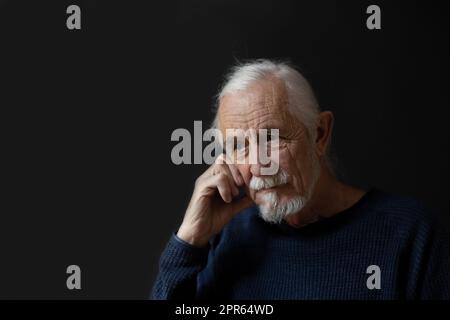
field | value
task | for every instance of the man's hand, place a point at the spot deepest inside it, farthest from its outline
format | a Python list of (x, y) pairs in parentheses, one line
[(212, 205)]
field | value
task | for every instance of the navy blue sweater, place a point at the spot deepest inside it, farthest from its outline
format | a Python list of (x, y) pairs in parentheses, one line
[(329, 259)]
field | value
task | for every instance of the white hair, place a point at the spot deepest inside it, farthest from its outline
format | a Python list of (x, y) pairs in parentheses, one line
[(258, 183), (301, 100), (273, 212)]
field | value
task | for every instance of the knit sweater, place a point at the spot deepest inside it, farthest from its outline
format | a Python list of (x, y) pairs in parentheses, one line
[(392, 240)]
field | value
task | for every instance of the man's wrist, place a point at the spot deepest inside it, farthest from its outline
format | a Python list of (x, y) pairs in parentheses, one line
[(191, 239)]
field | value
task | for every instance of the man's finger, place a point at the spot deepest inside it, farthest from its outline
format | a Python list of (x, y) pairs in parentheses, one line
[(221, 183), (226, 169), (236, 175), (223, 168)]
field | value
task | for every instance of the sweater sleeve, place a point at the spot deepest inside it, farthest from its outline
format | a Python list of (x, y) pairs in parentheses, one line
[(436, 280), (179, 265)]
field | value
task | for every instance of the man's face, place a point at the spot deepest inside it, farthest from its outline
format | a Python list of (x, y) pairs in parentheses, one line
[(264, 106)]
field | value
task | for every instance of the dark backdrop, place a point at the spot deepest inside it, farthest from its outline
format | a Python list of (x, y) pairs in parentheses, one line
[(87, 118)]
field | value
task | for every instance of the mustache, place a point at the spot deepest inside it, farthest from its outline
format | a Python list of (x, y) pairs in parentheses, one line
[(258, 183)]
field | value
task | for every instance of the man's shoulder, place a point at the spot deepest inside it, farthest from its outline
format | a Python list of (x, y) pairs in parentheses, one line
[(403, 211)]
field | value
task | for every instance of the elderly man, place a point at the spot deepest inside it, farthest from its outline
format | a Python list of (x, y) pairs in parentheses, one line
[(298, 233)]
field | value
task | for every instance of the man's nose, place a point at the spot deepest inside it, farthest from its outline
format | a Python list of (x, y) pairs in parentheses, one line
[(258, 161)]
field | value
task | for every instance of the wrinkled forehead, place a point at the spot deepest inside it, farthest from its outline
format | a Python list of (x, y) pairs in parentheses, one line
[(263, 105)]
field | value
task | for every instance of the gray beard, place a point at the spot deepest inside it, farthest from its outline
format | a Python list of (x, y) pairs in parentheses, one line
[(273, 212)]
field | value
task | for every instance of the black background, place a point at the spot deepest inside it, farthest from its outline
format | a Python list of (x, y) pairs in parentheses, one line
[(87, 116)]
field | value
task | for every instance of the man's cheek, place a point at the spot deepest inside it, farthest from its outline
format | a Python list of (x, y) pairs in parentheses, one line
[(292, 166), (285, 160)]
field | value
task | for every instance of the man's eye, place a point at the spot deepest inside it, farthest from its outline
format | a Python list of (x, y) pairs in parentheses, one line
[(237, 144), (271, 137), (241, 146)]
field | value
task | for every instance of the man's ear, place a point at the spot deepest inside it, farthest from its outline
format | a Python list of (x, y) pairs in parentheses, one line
[(324, 130)]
